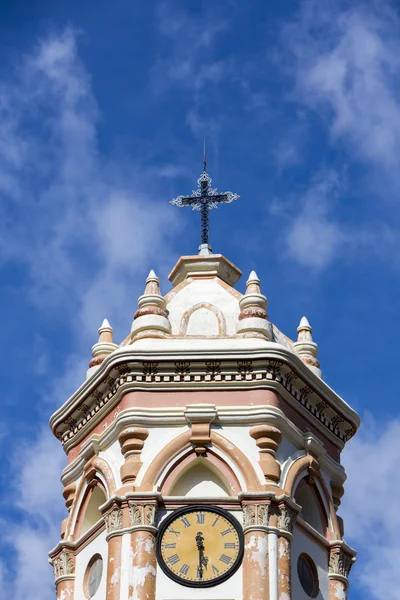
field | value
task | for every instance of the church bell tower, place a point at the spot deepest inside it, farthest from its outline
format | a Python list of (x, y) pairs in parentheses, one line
[(203, 450)]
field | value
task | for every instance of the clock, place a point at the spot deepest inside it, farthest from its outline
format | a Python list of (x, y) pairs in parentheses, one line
[(200, 546)]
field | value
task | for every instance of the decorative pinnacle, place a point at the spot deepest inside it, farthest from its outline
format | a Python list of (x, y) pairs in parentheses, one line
[(253, 284), (304, 330), (105, 332), (152, 284), (306, 348)]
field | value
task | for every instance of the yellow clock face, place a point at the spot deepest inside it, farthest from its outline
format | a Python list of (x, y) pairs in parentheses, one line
[(200, 546)]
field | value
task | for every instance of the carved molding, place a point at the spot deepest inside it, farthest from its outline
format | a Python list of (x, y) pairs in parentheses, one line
[(221, 374), (63, 565)]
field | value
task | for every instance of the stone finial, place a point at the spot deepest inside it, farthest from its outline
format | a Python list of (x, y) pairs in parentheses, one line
[(305, 348), (151, 318), (253, 317), (102, 348)]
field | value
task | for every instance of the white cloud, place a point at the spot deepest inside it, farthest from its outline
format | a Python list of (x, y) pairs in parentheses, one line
[(344, 61), (312, 237), (370, 506), (347, 63)]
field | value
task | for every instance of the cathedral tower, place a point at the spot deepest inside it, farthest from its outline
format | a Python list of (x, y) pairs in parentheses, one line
[(203, 450)]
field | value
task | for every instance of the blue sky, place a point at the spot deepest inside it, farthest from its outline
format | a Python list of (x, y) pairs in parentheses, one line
[(103, 109)]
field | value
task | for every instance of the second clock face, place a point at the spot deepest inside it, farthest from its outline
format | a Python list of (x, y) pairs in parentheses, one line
[(200, 546)]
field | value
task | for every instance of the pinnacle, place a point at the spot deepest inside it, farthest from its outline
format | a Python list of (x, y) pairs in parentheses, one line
[(253, 277), (303, 324), (105, 325), (152, 275)]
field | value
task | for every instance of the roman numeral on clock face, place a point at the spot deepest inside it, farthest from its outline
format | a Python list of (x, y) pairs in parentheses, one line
[(200, 518), (216, 521), (172, 545), (173, 559), (185, 521), (225, 559), (184, 569), (230, 545), (227, 531), (173, 531), (215, 570)]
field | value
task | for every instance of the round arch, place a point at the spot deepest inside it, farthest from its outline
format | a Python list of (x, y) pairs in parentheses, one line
[(302, 467), (97, 472)]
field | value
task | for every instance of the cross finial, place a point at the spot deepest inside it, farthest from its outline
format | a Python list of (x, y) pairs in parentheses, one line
[(204, 199)]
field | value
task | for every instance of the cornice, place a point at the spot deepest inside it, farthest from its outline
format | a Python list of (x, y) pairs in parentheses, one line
[(270, 367)]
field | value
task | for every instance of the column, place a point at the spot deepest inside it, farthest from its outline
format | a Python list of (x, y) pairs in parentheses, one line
[(255, 559), (341, 559), (64, 574), (142, 580), (114, 524), (287, 513)]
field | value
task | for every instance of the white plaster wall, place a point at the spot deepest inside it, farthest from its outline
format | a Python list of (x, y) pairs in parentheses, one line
[(157, 439), (286, 448), (241, 438), (166, 589), (302, 542), (97, 546), (204, 290), (113, 457)]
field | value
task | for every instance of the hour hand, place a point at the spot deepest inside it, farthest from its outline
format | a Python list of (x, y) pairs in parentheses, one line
[(203, 560)]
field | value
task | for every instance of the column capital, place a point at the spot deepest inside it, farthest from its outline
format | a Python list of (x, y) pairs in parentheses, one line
[(341, 560), (63, 565)]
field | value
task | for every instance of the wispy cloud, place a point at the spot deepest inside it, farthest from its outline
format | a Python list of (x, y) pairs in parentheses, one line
[(343, 62), (370, 506)]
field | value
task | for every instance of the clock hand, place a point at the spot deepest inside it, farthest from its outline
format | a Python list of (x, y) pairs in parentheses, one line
[(203, 560)]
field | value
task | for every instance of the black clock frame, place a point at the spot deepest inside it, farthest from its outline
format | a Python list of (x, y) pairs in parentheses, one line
[(189, 509)]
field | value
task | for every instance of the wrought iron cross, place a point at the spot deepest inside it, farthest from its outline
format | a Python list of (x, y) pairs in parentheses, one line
[(204, 199)]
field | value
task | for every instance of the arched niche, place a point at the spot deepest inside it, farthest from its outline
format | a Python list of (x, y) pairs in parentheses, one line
[(199, 479), (90, 512), (312, 509), (203, 319)]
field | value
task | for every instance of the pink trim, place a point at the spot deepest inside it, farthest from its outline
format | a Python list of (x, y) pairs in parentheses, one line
[(176, 470)]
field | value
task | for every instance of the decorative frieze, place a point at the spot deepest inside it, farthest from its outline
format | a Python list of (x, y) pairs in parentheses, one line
[(223, 374), (63, 565)]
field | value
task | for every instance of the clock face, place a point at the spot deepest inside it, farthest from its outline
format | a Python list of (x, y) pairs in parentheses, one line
[(200, 546)]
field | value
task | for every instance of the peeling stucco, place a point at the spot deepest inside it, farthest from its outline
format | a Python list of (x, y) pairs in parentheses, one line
[(258, 552)]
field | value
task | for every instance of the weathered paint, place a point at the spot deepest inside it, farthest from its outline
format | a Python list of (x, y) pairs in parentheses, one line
[(142, 579), (337, 590), (65, 589), (284, 566), (255, 565), (114, 568)]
